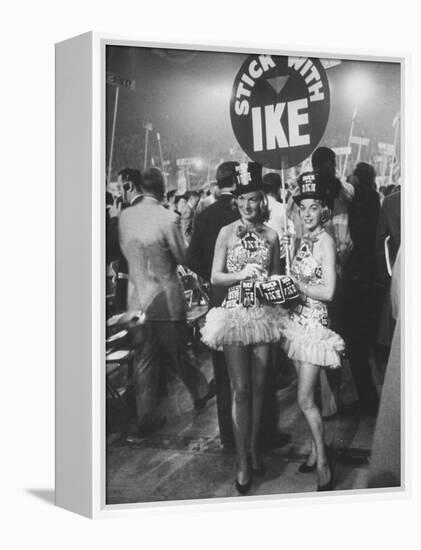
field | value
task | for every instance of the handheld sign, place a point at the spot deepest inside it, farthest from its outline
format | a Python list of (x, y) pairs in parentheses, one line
[(279, 108)]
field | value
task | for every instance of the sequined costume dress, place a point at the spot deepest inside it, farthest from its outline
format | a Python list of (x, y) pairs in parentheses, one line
[(235, 323), (306, 333)]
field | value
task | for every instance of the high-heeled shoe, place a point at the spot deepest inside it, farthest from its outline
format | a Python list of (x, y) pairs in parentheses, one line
[(243, 488), (329, 485), (305, 468)]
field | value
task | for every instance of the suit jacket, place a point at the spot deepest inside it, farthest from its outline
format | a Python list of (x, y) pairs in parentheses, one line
[(389, 225), (202, 246), (151, 241), (363, 215)]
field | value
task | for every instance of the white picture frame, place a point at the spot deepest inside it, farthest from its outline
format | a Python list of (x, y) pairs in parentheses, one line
[(80, 275)]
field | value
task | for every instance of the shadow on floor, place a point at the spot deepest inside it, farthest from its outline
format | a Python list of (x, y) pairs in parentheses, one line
[(47, 495)]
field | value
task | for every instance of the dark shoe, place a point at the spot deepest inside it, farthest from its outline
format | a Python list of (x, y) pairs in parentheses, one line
[(329, 485), (243, 488), (200, 403), (326, 487), (145, 431), (307, 468)]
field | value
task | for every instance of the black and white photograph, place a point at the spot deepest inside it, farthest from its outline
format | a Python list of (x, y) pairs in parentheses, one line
[(253, 274)]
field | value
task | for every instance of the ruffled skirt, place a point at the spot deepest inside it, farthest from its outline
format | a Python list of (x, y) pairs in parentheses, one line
[(242, 326), (311, 342)]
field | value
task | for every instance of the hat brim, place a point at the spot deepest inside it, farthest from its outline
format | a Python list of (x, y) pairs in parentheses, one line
[(316, 196), (243, 189)]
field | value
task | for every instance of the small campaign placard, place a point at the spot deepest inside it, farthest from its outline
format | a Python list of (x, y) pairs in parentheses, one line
[(280, 108), (248, 293), (233, 296), (289, 288), (252, 242), (272, 292)]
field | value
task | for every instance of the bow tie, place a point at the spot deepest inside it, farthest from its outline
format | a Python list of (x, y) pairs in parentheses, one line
[(257, 230), (311, 239)]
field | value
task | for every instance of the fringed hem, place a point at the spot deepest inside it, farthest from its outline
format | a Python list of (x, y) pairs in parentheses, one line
[(242, 326), (319, 345)]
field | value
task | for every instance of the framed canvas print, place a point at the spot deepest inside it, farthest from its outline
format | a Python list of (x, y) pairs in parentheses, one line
[(229, 274)]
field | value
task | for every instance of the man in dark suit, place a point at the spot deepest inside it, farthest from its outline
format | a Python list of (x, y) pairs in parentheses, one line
[(389, 226), (151, 241), (199, 259)]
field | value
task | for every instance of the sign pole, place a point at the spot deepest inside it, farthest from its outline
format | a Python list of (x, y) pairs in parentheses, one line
[(110, 160), (161, 157), (395, 142), (284, 200), (146, 148), (354, 114), (359, 152)]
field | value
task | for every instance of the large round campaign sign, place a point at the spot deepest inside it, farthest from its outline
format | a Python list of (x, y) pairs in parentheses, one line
[(280, 108)]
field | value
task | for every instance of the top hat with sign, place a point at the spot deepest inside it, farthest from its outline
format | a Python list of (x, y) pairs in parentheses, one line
[(248, 177), (311, 186)]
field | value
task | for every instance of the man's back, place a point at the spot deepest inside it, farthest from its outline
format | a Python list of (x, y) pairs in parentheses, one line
[(207, 227), (389, 226), (152, 243)]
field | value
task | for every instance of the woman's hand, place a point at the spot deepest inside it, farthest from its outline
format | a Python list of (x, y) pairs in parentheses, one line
[(114, 209), (250, 271), (299, 285), (286, 240)]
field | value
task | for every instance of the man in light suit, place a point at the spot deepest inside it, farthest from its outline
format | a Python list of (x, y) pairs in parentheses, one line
[(153, 245)]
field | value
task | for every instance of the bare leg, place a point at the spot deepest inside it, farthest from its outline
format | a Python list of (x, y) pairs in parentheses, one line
[(307, 381), (238, 364), (259, 361), (312, 456)]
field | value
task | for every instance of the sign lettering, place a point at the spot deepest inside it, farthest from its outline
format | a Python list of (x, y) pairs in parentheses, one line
[(279, 108)]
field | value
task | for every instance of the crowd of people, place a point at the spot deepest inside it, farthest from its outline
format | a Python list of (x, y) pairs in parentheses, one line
[(296, 277)]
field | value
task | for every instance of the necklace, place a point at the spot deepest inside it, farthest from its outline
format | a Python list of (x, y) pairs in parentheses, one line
[(310, 239), (313, 236)]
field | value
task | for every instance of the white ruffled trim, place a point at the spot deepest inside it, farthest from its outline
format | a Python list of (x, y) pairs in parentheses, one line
[(318, 345), (242, 326)]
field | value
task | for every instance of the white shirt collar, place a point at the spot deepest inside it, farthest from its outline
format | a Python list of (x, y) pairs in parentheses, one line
[(134, 198)]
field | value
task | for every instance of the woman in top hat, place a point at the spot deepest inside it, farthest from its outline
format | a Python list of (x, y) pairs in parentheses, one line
[(307, 339), (246, 251)]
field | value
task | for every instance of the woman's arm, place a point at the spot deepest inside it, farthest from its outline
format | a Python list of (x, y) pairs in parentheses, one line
[(219, 275), (325, 291)]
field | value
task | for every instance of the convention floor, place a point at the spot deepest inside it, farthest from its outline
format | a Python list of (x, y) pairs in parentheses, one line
[(184, 459)]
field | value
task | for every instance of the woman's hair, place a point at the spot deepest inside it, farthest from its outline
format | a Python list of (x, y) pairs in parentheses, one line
[(326, 213), (171, 194), (263, 214)]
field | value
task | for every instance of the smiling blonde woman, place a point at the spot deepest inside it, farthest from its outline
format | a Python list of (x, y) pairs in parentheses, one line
[(307, 339)]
